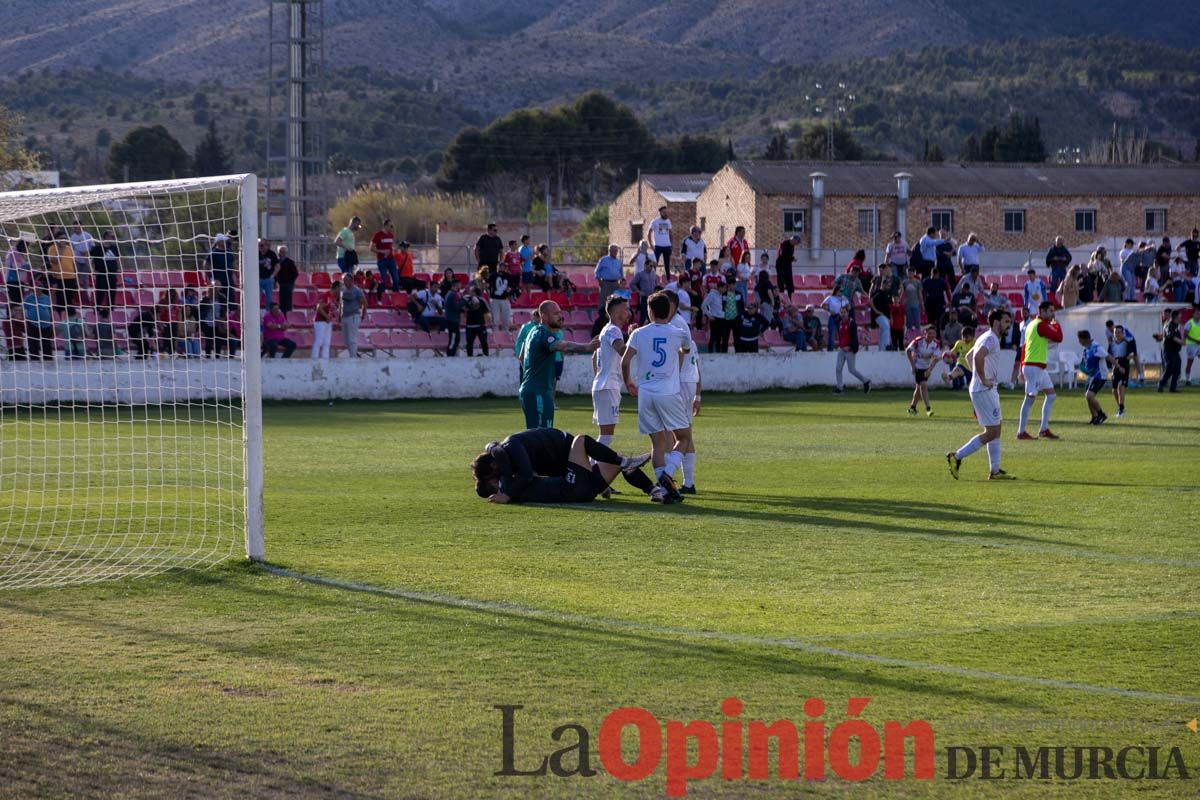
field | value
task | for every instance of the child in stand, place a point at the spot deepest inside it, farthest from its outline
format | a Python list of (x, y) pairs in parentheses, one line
[(896, 322)]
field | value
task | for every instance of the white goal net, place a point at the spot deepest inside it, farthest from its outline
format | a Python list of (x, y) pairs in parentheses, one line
[(130, 422)]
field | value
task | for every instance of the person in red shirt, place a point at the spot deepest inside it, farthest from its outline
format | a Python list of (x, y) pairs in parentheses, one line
[(512, 263), (859, 260), (382, 242), (737, 245), (897, 317), (847, 349), (1036, 337)]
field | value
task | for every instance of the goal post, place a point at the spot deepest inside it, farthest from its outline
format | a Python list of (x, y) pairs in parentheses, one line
[(130, 383)]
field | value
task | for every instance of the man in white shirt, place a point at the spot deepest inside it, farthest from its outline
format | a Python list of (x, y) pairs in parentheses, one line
[(929, 245), (897, 253), (606, 365), (693, 246), (968, 254), (654, 355), (984, 358), (81, 244), (689, 394), (660, 237), (833, 304)]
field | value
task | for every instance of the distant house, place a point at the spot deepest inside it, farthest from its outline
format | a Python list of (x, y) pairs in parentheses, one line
[(1012, 207), (634, 208)]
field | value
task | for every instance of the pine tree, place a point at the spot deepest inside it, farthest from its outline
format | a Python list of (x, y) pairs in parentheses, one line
[(778, 148), (210, 157)]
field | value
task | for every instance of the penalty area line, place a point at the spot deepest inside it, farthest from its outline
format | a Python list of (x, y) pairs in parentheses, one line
[(528, 612)]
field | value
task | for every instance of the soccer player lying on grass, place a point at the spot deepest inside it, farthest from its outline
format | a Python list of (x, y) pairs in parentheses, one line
[(544, 465)]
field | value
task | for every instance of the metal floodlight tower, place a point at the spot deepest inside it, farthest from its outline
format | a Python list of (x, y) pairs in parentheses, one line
[(295, 140)]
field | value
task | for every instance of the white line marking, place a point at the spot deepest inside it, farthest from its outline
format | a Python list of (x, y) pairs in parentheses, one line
[(450, 601)]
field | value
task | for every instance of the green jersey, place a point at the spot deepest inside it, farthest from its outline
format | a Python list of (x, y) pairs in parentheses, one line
[(522, 335), (538, 363), (345, 241)]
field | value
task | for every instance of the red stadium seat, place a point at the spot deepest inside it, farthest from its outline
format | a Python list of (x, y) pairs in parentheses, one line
[(322, 280), (299, 319), (194, 278), (304, 280), (303, 298)]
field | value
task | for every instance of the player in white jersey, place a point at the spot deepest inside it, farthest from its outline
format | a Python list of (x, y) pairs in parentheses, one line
[(689, 395), (606, 364), (650, 368), (984, 359)]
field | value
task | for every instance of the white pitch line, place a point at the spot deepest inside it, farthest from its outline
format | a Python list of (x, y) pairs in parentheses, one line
[(449, 601)]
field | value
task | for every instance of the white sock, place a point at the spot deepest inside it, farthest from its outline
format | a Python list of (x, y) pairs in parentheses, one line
[(689, 469), (674, 462), (1047, 404), (993, 451), (969, 447), (605, 439), (1026, 407)]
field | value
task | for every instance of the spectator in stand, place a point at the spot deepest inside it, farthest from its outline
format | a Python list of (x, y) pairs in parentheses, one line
[(513, 263), (191, 332), (881, 304), (847, 349), (785, 259), (82, 243), (834, 304), (644, 284), (14, 330), (660, 238), (543, 271), (275, 333), (268, 265), (1178, 276), (62, 272), (404, 268), (230, 328), (936, 294), (741, 282), (206, 317), (105, 336), (1162, 255), (712, 312), (1129, 258), (640, 256), (286, 276), (857, 262), (812, 328), (850, 283), (347, 255), (105, 257), (1153, 288), (994, 300), (970, 280), (502, 293), (954, 327), (1190, 248), (928, 246), (452, 304), (737, 246), (945, 258), (143, 332), (71, 332), (1058, 258), (1172, 343), (1035, 290), (1114, 288), (353, 311), (912, 292), (693, 246), (526, 252), (488, 248), (897, 317), (964, 302), (478, 317), (622, 291), (39, 323), (222, 264), (1068, 290), (328, 307), (968, 255), (608, 272), (16, 269), (428, 309), (383, 243), (791, 327), (747, 327), (896, 254), (1148, 260)]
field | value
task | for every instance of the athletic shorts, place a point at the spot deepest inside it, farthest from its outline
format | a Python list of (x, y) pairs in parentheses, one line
[(1096, 384), (1036, 379), (987, 406), (661, 412), (1193, 350), (580, 484), (538, 408), (606, 406), (687, 396), (921, 375), (1120, 375)]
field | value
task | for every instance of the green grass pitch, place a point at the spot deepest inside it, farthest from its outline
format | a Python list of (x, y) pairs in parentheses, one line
[(823, 524)]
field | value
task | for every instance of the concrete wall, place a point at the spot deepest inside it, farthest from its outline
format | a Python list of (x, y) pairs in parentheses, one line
[(120, 382)]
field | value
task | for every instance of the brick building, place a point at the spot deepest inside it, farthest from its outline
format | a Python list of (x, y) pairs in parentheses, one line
[(1014, 208), (634, 208)]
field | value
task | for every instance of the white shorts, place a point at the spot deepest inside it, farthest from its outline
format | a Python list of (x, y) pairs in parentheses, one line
[(661, 412), (687, 395), (606, 405), (1036, 379), (987, 406), (1193, 350)]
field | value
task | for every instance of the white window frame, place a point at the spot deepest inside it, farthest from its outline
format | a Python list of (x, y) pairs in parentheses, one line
[(1160, 213), (1085, 229), (866, 230), (1004, 221), (803, 215), (934, 212)]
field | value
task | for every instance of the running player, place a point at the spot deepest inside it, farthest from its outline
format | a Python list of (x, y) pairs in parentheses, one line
[(984, 359), (541, 346), (544, 465), (1122, 349), (689, 393), (1094, 364), (961, 370), (1039, 332), (654, 354), (606, 365), (922, 352)]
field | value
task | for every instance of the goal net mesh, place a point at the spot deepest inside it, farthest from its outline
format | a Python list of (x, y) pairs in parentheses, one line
[(122, 421)]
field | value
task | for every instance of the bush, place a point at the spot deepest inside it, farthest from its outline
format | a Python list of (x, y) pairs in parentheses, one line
[(415, 216)]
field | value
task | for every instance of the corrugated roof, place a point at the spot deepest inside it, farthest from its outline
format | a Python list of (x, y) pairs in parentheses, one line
[(689, 183), (969, 180)]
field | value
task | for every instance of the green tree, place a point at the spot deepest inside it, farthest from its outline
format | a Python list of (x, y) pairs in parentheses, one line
[(592, 236), (778, 148), (13, 154), (150, 154), (813, 144), (211, 157)]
